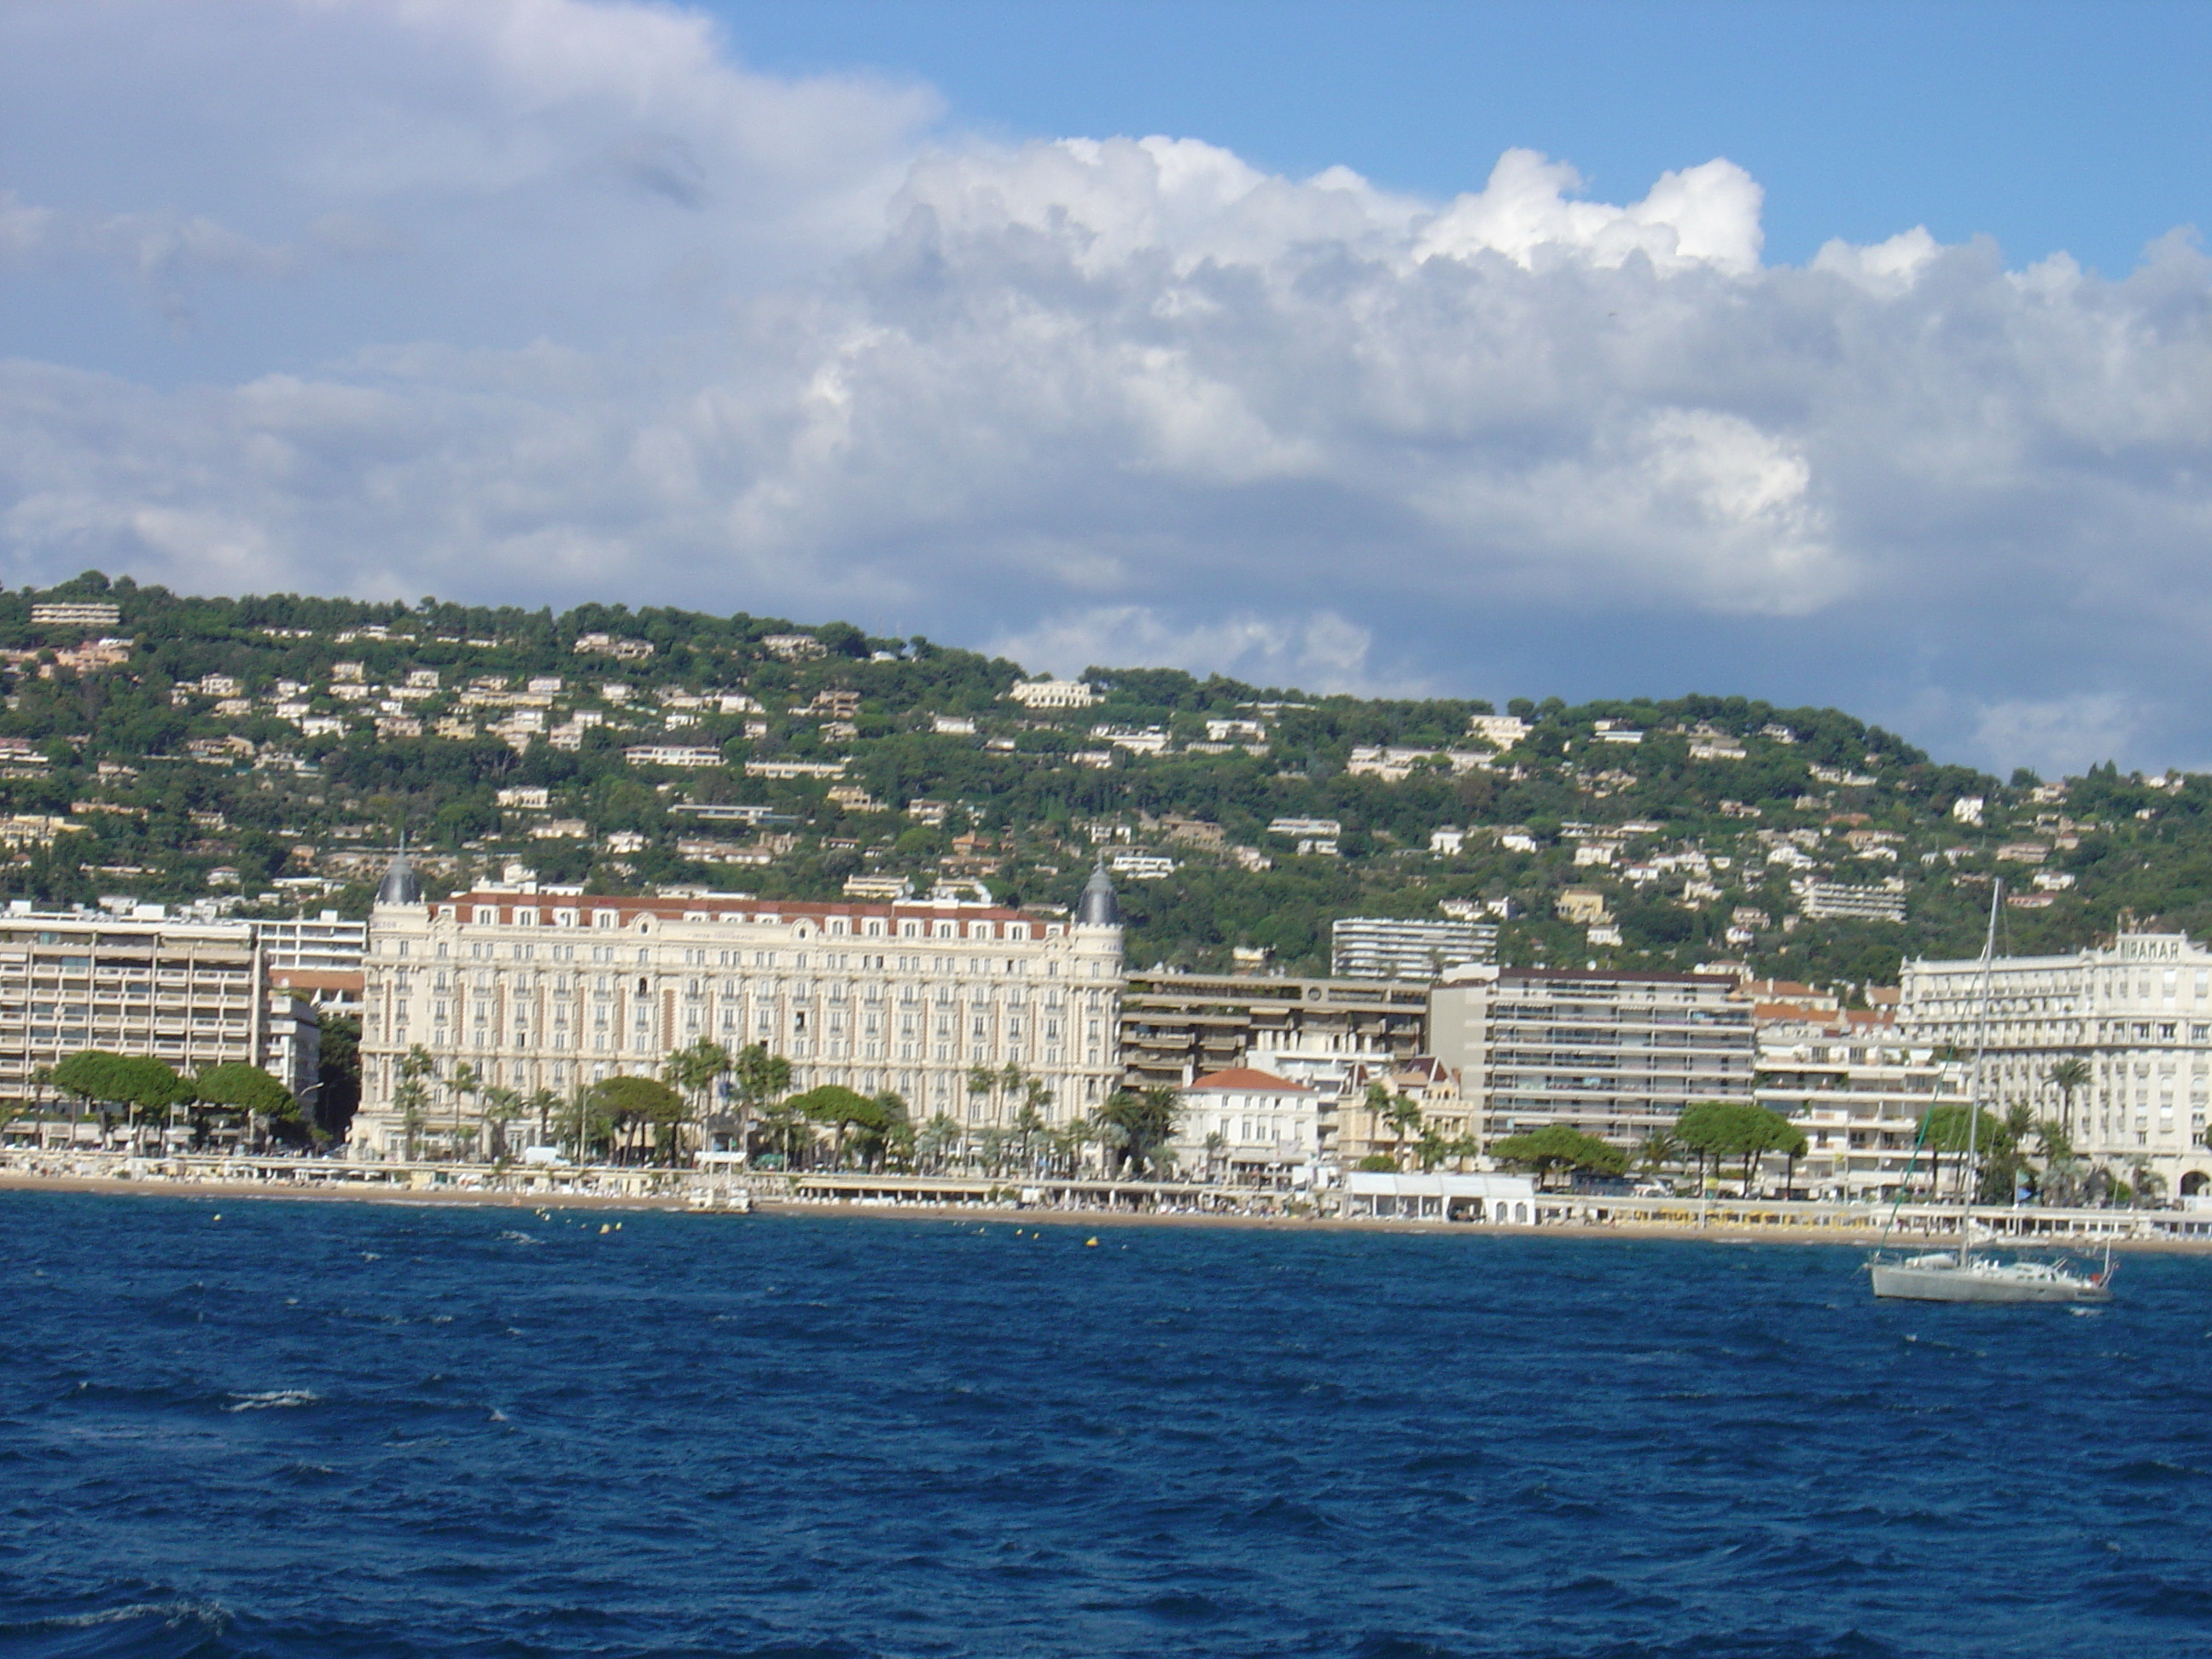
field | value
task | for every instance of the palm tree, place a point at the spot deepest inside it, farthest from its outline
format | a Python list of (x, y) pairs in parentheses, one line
[(501, 1107), (545, 1102), (2068, 1075), (695, 1071), (412, 1096), (1216, 1143), (1657, 1151), (465, 1080), (937, 1138), (762, 1078), (1403, 1115)]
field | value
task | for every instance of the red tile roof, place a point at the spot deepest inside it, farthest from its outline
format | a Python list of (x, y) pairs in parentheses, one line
[(1242, 1079)]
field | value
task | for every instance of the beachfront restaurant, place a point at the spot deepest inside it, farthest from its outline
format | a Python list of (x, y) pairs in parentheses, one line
[(1498, 1199)]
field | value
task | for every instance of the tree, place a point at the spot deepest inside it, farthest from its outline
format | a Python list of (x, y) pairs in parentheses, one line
[(1721, 1129), (2068, 1076), (938, 1137), (632, 1103), (247, 1089), (501, 1106), (411, 1099), (1947, 1128), (762, 1079), (1557, 1145), (465, 1080), (1138, 1124), (137, 1082), (696, 1069)]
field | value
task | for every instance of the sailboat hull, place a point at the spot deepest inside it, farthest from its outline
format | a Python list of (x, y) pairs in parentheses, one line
[(1944, 1280)]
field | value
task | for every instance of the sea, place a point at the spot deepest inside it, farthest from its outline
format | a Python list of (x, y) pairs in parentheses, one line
[(237, 1427)]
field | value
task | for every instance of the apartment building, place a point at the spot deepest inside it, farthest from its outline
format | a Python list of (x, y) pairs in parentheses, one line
[(550, 989), (83, 613), (327, 943), (2137, 1011), (1176, 1028), (1859, 1091), (1615, 1055), (1382, 947), (194, 993)]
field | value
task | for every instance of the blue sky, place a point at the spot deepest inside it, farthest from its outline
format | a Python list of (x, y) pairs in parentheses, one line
[(2078, 127), (1851, 354)]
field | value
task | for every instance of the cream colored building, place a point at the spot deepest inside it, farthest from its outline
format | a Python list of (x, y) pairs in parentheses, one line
[(193, 994), (550, 988), (2138, 1011), (1859, 1092)]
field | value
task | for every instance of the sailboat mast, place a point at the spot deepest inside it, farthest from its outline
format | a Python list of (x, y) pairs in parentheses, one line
[(1974, 1084)]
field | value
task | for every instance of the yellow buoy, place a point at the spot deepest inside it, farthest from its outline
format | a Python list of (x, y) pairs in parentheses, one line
[(1090, 1244), (604, 1228), (218, 1215)]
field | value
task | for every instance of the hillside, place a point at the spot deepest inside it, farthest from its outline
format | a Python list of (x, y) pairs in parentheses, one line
[(265, 751)]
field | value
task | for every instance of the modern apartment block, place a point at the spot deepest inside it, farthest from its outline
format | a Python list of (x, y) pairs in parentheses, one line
[(1382, 947), (2138, 1012), (1176, 1028), (1858, 1090), (322, 944), (85, 613), (550, 988), (194, 993), (1615, 1055)]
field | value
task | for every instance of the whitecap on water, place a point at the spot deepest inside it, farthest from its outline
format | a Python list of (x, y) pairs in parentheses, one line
[(514, 1237), (272, 1400)]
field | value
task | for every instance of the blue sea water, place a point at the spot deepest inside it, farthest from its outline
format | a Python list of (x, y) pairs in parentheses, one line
[(308, 1429)]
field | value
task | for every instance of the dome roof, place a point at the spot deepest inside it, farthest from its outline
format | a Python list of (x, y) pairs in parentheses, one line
[(1099, 907), (401, 885)]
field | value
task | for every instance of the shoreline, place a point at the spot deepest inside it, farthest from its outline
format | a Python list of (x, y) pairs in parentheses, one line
[(13, 1180)]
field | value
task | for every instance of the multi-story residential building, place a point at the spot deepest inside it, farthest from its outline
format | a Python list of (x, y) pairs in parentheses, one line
[(327, 943), (194, 993), (86, 613), (1859, 1091), (1823, 901), (1176, 1028), (550, 988), (1616, 1055), (2136, 1012), (1380, 947)]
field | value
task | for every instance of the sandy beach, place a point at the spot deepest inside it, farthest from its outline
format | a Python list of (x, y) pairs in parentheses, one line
[(982, 1215)]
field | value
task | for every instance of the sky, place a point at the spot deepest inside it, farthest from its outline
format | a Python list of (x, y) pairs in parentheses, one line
[(1848, 354)]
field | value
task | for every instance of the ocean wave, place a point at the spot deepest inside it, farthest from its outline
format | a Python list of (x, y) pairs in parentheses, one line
[(274, 1400)]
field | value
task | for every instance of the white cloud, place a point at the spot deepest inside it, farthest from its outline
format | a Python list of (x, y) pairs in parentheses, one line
[(541, 299)]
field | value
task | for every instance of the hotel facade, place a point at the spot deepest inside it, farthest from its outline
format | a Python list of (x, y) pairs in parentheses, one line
[(557, 990), (2138, 1012)]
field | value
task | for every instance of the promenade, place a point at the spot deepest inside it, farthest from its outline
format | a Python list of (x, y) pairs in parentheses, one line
[(1091, 1200)]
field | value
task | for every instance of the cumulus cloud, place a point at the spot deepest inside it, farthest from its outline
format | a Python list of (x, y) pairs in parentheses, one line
[(549, 299)]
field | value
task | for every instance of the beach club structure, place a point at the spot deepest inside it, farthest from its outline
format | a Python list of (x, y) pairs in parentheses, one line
[(552, 988)]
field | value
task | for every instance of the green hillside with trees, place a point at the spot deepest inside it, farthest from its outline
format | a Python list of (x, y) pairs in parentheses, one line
[(267, 750)]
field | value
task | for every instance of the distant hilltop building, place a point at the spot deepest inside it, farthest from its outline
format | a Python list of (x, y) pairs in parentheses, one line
[(77, 613), (1052, 694), (1378, 947), (794, 647), (606, 645)]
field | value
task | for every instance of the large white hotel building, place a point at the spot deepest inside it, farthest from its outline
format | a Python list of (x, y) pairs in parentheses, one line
[(2139, 1011), (540, 988)]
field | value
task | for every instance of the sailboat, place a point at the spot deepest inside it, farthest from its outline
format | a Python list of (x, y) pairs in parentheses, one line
[(1962, 1275)]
